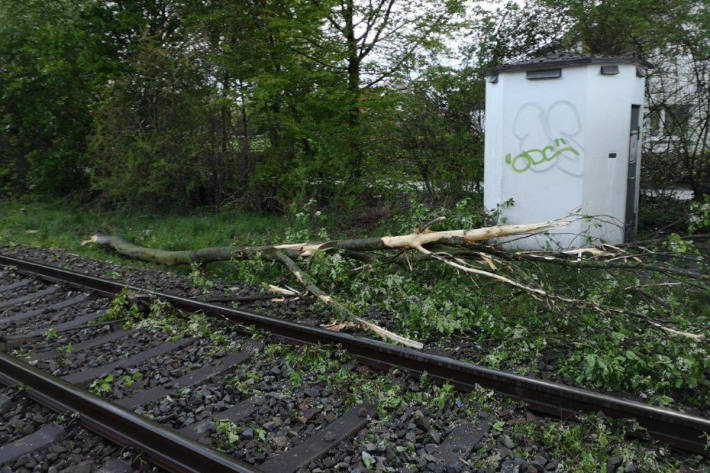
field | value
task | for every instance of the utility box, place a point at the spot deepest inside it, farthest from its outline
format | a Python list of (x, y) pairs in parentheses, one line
[(563, 135)]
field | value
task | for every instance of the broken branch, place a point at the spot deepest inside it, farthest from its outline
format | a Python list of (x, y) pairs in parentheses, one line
[(308, 283)]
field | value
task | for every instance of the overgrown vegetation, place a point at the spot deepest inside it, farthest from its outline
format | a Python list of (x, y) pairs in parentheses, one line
[(482, 320), (613, 352)]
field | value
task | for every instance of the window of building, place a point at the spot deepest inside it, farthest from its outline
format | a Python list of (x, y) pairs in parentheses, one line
[(654, 122), (677, 119)]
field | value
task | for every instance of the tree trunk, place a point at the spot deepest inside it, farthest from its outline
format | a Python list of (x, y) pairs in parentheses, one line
[(295, 250), (354, 63), (459, 249)]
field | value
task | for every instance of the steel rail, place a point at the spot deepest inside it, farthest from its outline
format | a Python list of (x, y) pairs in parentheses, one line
[(675, 428), (163, 446)]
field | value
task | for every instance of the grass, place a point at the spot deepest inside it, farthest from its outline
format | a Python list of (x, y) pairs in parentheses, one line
[(519, 330), (433, 302), (64, 225)]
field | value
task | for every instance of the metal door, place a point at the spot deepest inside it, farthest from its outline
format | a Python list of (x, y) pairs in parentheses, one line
[(634, 148)]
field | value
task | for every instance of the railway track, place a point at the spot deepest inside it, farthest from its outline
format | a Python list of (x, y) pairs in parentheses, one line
[(172, 397)]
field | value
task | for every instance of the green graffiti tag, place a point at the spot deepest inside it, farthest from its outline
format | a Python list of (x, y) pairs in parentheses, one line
[(532, 157)]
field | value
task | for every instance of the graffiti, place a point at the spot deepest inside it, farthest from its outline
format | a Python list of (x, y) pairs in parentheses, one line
[(533, 157), (538, 132)]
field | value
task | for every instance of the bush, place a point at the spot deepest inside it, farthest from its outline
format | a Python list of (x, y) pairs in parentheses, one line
[(156, 144)]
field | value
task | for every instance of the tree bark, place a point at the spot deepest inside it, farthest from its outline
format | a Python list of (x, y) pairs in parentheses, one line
[(296, 250)]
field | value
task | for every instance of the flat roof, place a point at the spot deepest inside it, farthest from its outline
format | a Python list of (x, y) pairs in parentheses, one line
[(564, 61)]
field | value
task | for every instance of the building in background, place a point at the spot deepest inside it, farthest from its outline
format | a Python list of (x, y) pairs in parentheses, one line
[(677, 142)]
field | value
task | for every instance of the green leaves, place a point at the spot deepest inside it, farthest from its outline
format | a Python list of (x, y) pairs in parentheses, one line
[(102, 386), (699, 218), (51, 333), (65, 350), (680, 246), (198, 278), (608, 366), (130, 379), (121, 308), (230, 433), (45, 92)]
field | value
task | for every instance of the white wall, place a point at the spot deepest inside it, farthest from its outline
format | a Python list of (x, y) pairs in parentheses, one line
[(547, 147), (608, 122)]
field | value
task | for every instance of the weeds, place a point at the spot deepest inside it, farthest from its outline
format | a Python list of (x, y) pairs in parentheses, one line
[(65, 350), (102, 386), (130, 380), (446, 394), (506, 329), (122, 308), (198, 278), (229, 433)]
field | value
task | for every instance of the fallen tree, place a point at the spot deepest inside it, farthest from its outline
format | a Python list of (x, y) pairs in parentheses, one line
[(418, 239), (464, 250)]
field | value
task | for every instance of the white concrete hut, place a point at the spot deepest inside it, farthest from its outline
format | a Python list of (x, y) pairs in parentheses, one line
[(563, 134)]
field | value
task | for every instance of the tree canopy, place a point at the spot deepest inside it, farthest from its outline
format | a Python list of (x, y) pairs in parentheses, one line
[(184, 103)]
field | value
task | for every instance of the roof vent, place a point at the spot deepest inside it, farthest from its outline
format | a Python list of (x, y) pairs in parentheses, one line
[(544, 74)]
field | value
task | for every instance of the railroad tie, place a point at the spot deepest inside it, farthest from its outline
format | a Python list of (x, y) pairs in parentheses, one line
[(159, 444), (5, 403), (44, 309), (190, 379), (235, 414), (320, 442), (93, 342), (46, 435), (28, 297), (77, 322), (114, 465), (460, 441), (16, 285), (84, 376)]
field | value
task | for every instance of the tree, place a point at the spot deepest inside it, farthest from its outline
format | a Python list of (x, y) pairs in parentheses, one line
[(678, 97), (56, 59), (379, 40), (674, 37), (48, 71), (259, 52), (512, 32), (433, 134), (152, 141)]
